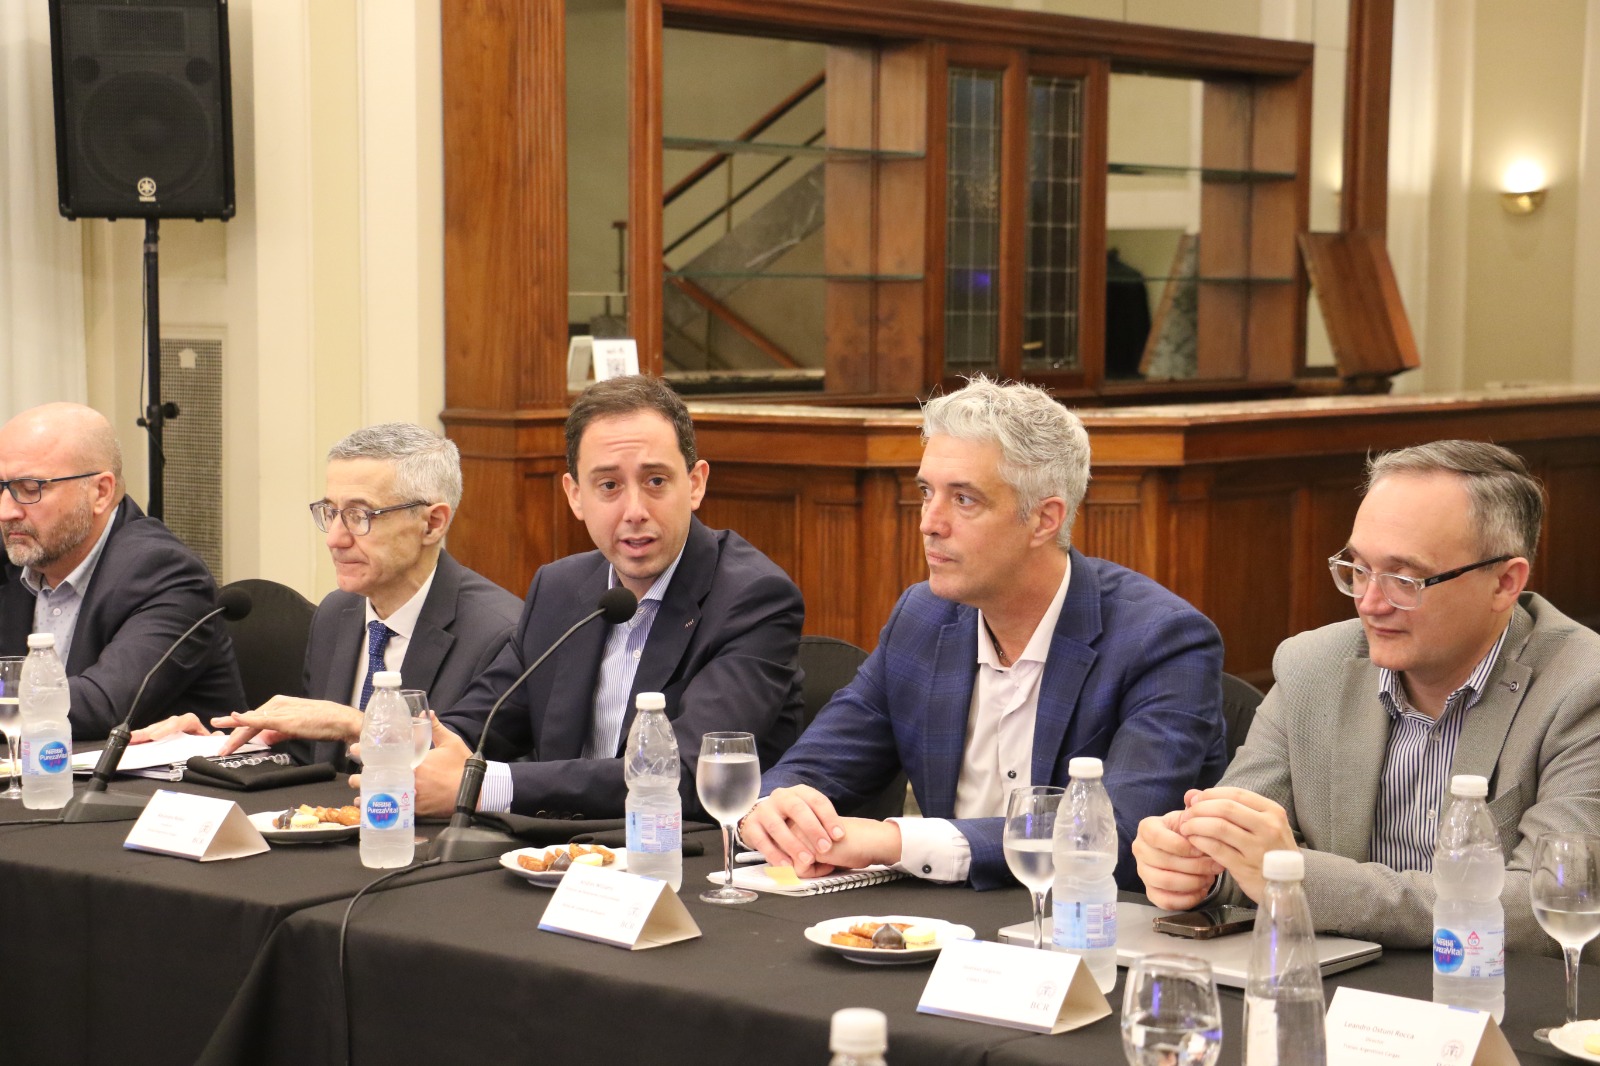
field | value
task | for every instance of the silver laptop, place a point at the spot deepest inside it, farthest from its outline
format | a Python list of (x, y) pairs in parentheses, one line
[(1229, 956)]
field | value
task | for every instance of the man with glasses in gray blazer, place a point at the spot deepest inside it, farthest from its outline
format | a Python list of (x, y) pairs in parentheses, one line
[(1450, 668)]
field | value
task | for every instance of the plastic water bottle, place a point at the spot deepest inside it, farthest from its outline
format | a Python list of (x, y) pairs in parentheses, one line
[(1086, 857), (46, 734), (388, 784), (1469, 924), (1284, 1015), (859, 1036), (654, 808)]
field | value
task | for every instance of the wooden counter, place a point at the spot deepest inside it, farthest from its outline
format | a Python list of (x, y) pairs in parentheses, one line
[(1235, 506)]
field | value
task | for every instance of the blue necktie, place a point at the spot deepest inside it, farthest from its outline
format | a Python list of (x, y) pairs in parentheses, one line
[(378, 636)]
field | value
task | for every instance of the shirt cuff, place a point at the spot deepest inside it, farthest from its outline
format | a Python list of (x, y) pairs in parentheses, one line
[(933, 849), (495, 796)]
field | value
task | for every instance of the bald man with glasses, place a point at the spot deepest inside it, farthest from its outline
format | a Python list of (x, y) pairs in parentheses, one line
[(1449, 668), (113, 585)]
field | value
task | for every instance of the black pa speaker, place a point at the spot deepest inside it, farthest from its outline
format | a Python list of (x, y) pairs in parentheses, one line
[(144, 115)]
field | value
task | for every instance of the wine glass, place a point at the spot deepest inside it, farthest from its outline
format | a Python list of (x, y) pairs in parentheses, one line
[(416, 701), (1565, 892), (1029, 840), (1170, 1015), (11, 716), (728, 780)]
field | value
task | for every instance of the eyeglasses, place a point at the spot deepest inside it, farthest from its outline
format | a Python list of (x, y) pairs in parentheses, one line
[(26, 490), (358, 520), (1404, 593)]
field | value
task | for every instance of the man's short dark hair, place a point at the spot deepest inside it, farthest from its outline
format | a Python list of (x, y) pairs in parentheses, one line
[(624, 396)]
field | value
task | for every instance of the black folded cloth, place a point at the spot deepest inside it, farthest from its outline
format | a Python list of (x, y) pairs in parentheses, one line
[(253, 776), (610, 832)]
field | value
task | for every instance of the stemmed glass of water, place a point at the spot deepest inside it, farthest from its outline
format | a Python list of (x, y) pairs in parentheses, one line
[(1170, 1015), (1029, 840), (11, 716), (728, 780), (1565, 892)]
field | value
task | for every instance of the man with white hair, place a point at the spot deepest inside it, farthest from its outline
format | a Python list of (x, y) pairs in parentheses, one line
[(402, 602), (1015, 656), (115, 586)]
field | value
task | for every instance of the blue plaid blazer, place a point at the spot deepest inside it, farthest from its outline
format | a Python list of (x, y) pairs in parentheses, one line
[(1133, 678)]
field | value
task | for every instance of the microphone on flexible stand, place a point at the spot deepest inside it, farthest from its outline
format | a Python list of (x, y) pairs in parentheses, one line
[(461, 841), (94, 803)]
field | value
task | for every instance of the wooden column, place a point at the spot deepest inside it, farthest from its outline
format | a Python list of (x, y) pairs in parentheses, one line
[(644, 184), (505, 251), (1364, 203)]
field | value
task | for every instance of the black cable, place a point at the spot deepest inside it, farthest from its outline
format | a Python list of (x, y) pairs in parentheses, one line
[(344, 928), (34, 821)]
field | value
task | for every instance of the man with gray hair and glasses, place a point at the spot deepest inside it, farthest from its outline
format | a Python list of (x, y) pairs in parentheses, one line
[(115, 586), (1016, 655), (1449, 668), (402, 602)]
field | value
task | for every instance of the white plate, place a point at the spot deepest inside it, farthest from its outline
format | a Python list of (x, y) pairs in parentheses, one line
[(943, 933), (1569, 1038), (509, 861), (323, 834)]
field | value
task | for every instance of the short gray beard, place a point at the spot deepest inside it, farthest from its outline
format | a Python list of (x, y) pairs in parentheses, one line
[(74, 528)]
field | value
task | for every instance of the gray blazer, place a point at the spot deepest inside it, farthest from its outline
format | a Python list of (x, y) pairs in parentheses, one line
[(464, 623), (1318, 742)]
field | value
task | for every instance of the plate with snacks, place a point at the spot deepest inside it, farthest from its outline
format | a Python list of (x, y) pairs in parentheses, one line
[(308, 825), (547, 866), (889, 940), (1581, 1040)]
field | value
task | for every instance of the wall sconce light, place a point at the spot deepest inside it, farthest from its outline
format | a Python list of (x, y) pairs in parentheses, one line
[(1523, 187)]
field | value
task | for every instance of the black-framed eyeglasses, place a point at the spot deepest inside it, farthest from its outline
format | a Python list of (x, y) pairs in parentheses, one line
[(1402, 592), (26, 490), (358, 520)]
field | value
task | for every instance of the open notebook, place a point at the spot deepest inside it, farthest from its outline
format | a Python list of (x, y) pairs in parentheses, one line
[(760, 879)]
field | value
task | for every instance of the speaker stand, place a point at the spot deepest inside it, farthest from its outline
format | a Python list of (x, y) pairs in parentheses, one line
[(156, 413)]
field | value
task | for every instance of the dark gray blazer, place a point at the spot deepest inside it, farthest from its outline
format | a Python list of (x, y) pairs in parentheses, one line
[(464, 623), (1318, 743), (147, 588)]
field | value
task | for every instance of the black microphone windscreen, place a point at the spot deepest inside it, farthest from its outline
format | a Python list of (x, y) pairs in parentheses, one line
[(235, 603), (618, 605)]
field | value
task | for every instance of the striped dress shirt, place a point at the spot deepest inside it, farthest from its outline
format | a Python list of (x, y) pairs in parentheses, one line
[(1416, 768)]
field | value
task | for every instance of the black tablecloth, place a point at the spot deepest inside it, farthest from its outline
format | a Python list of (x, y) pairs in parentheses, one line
[(133, 957), (458, 971)]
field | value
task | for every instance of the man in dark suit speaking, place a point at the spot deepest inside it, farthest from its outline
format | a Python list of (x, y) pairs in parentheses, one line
[(1018, 654), (717, 628), (402, 603), (114, 586)]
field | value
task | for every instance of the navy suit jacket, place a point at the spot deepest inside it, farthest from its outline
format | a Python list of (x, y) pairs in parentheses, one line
[(147, 588), (464, 623), (722, 649), (1133, 677)]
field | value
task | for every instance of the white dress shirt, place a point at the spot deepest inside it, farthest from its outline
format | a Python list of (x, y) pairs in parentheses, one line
[(402, 622), (998, 756)]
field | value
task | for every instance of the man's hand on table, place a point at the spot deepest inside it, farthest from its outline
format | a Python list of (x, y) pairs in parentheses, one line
[(438, 775), (798, 827), (181, 723), (1236, 828), (1176, 874), (283, 717)]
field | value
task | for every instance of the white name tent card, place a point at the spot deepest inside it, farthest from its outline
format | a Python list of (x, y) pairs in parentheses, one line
[(194, 827), (617, 908), (1002, 984), (1370, 1027)]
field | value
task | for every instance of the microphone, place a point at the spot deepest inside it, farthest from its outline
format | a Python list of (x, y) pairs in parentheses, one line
[(461, 841), (94, 803)]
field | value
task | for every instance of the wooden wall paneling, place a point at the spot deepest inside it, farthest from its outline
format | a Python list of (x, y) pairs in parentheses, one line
[(1565, 571), (1369, 59), (1182, 554), (1092, 224), (899, 224), (645, 188), (505, 203), (1113, 520), (1323, 522), (850, 354), (912, 563), (1248, 590), (833, 564)]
